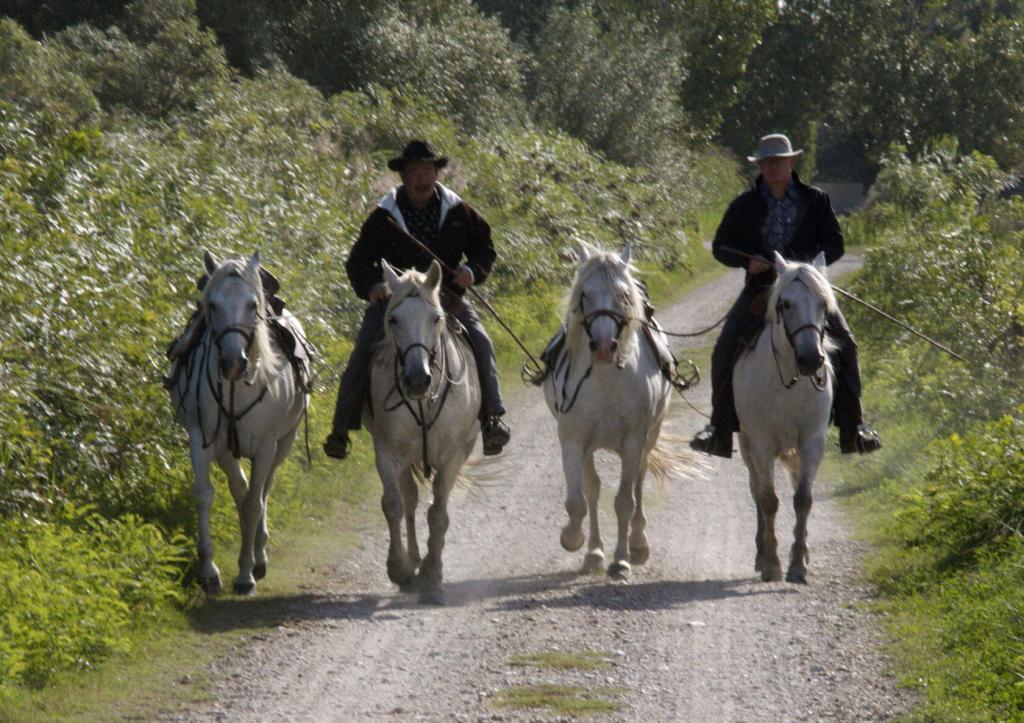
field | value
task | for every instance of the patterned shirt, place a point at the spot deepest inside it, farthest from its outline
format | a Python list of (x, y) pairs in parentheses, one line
[(423, 223), (779, 225)]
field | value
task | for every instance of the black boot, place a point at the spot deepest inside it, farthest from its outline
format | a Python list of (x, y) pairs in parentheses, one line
[(495, 434), (337, 444), (710, 441), (861, 438)]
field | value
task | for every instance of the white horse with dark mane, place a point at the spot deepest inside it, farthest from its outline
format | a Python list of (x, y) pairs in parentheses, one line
[(237, 397), (783, 391), (423, 417), (606, 391)]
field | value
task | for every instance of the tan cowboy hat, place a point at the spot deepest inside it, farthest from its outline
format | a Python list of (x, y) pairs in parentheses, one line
[(774, 145)]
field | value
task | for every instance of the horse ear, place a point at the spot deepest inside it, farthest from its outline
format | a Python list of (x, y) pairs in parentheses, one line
[(390, 275), (434, 275), (210, 263), (780, 263), (252, 268), (819, 262), (626, 255), (584, 252)]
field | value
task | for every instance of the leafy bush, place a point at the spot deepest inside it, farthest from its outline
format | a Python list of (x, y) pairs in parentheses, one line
[(72, 588), (156, 62), (944, 256), (615, 87)]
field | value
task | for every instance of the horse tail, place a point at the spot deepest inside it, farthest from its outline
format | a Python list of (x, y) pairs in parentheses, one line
[(671, 456)]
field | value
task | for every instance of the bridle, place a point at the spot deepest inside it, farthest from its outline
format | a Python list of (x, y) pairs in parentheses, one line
[(444, 386), (586, 321), (227, 411), (820, 378)]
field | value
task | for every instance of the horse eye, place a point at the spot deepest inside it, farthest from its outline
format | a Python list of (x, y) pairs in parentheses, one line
[(437, 318), (392, 320), (252, 306), (212, 306), (785, 304)]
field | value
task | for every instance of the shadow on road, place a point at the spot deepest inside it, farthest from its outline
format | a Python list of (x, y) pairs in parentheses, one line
[(660, 595), (233, 613)]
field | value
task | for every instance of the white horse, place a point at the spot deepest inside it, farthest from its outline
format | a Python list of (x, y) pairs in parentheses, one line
[(606, 391), (237, 397), (423, 417), (783, 392)]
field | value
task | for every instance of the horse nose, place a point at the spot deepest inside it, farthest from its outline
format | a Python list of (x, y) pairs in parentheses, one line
[(810, 363), (233, 369), (417, 385)]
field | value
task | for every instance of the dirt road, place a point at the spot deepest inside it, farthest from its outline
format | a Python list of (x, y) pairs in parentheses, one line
[(694, 636)]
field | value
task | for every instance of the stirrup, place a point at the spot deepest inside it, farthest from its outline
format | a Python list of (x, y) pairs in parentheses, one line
[(710, 441), (861, 439), (680, 382)]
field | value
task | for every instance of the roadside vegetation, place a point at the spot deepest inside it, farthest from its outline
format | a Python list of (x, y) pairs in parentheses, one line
[(134, 134), (944, 501)]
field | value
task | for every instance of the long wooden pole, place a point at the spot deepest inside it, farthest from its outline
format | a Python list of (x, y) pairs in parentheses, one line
[(471, 290), (865, 304)]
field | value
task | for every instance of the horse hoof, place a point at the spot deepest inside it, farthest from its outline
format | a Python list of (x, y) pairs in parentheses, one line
[(571, 539), (245, 588), (639, 555), (771, 574), (400, 574), (210, 585), (796, 576), (431, 597), (593, 562), (259, 571), (619, 571)]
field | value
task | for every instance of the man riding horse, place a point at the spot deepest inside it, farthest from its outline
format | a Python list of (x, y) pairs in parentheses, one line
[(419, 210), (780, 213)]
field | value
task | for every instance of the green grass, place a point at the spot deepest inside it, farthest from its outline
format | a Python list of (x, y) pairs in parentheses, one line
[(561, 699), (558, 660)]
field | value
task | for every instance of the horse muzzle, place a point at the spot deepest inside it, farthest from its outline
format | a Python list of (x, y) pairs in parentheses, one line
[(604, 352), (233, 370), (809, 364), (417, 384)]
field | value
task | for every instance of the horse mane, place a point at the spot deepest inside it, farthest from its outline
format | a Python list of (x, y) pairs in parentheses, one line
[(263, 355), (813, 279), (610, 266)]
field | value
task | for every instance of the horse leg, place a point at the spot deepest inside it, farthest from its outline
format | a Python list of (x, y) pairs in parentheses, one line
[(284, 445), (639, 550), (575, 505), (400, 568), (625, 504), (411, 498), (431, 571), (762, 488), (251, 513), (594, 559), (202, 489), (805, 469)]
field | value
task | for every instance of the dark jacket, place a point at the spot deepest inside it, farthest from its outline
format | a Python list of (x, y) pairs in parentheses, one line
[(816, 230), (463, 234)]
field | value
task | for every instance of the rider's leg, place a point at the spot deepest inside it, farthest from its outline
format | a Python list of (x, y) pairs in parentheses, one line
[(854, 435), (494, 432), (354, 382), (716, 438)]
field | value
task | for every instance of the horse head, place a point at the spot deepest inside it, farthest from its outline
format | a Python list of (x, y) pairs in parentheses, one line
[(414, 324), (798, 305), (605, 304), (233, 305)]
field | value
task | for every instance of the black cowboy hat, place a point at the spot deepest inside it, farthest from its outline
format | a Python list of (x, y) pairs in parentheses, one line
[(417, 151)]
